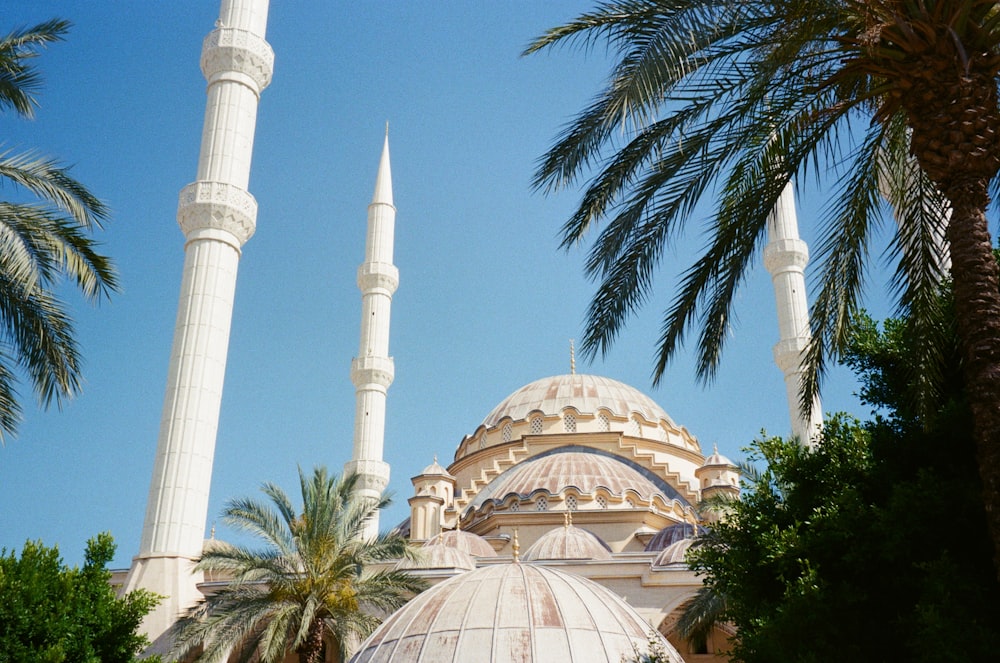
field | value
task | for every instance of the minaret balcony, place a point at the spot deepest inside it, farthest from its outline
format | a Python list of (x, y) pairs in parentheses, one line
[(372, 371), (783, 255), (238, 55), (205, 206), (378, 278)]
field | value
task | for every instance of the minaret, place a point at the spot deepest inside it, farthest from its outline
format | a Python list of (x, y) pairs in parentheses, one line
[(785, 257), (372, 370), (217, 215)]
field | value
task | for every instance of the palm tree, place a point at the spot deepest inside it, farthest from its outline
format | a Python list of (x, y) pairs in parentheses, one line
[(886, 103), (309, 581), (43, 239)]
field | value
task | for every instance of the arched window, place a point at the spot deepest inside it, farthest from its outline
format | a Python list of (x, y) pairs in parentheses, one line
[(536, 426), (507, 431), (603, 423), (569, 422)]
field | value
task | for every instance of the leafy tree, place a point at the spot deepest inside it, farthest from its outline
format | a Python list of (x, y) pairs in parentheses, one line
[(53, 614), (872, 545), (44, 237), (881, 101), (312, 578)]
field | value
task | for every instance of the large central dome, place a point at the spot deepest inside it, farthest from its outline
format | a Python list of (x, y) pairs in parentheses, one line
[(587, 393)]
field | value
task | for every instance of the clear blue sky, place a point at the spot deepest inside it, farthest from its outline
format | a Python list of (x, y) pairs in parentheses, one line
[(487, 301)]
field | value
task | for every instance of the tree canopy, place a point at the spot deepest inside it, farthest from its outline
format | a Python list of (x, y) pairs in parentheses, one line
[(51, 613), (872, 546), (313, 581), (44, 238)]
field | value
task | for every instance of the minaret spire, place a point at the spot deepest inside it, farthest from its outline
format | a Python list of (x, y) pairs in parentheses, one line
[(785, 257), (372, 370), (217, 215)]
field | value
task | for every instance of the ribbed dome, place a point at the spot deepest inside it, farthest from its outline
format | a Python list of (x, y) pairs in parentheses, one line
[(673, 554), (439, 557), (567, 542), (511, 613), (579, 467), (672, 534), (586, 393), (467, 542)]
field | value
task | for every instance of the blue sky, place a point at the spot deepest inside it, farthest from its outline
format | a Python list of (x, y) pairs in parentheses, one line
[(487, 301)]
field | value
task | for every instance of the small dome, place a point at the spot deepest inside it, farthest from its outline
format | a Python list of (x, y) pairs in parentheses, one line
[(718, 460), (673, 554), (567, 542), (434, 469), (586, 393), (581, 468), (672, 534), (439, 557), (467, 542), (506, 613)]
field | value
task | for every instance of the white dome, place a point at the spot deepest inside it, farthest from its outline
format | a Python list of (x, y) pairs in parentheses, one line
[(511, 613), (587, 393), (567, 542), (467, 542), (439, 557)]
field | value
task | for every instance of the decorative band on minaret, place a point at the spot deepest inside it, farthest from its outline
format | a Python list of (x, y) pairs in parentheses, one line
[(785, 257), (217, 215), (372, 370)]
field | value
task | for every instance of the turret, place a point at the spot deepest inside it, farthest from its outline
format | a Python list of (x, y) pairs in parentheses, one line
[(372, 371)]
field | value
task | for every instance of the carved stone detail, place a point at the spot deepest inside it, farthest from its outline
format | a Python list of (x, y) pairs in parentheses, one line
[(786, 253), (374, 474), (240, 51), (374, 276), (372, 370), (217, 205)]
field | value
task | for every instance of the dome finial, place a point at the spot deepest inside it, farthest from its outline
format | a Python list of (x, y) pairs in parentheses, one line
[(517, 548), (572, 358), (567, 519)]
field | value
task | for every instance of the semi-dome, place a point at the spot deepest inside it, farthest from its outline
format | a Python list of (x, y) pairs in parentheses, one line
[(581, 468), (439, 557), (674, 554), (507, 613), (588, 394), (467, 542), (568, 542), (672, 534)]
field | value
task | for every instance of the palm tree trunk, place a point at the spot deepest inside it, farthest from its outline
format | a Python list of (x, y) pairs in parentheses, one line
[(311, 650), (954, 114), (976, 283)]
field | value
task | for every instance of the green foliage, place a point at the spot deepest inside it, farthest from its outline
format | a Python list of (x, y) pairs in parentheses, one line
[(871, 546), (313, 577), (44, 240), (655, 652), (54, 614)]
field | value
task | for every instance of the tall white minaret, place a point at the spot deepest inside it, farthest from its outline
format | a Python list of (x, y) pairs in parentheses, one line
[(217, 215), (372, 370), (785, 257)]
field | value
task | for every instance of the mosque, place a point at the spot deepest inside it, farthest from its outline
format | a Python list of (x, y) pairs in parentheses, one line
[(558, 529)]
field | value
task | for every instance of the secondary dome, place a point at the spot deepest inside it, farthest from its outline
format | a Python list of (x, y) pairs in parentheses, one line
[(567, 542), (467, 542), (671, 534), (578, 467), (509, 613), (439, 557), (587, 393)]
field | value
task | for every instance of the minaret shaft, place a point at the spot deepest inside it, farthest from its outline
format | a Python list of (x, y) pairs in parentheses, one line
[(372, 371), (217, 215), (785, 257)]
